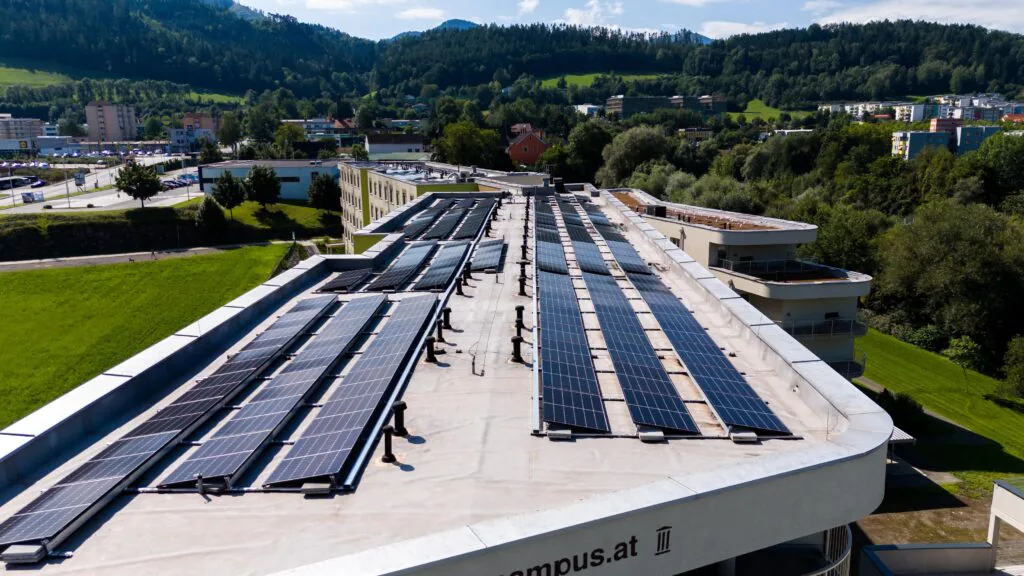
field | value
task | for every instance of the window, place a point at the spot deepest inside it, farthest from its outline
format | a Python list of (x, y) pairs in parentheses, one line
[(526, 148)]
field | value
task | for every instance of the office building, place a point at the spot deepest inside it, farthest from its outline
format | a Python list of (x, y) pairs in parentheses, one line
[(51, 129), (330, 422), (757, 257), (295, 175), (588, 110), (202, 121), (111, 122), (623, 107), (189, 138), (379, 144), (19, 128)]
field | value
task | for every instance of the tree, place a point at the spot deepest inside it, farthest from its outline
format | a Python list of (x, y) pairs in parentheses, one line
[(230, 133), (154, 128), (464, 144), (629, 150), (262, 186), (288, 135), (209, 153), (1013, 366), (324, 193), (586, 143), (366, 115), (69, 127), (229, 192), (306, 109), (138, 181), (261, 122), (965, 353), (556, 160), (345, 109), (210, 219), (359, 152), (471, 113)]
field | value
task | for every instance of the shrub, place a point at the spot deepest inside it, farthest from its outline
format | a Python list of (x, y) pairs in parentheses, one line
[(929, 337), (210, 219), (1013, 367)]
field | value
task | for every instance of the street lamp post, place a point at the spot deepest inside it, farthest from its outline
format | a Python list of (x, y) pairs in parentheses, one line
[(67, 187)]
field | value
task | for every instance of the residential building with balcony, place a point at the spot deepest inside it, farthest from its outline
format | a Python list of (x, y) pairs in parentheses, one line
[(757, 257), (970, 138), (19, 128), (908, 145), (111, 122), (623, 107)]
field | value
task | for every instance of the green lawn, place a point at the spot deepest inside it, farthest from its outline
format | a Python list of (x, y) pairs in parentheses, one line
[(939, 386), (588, 79), (10, 76), (63, 326), (758, 109), (285, 218), (214, 98)]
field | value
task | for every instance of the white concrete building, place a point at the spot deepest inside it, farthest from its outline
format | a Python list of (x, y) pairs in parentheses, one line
[(312, 125), (377, 144), (474, 477), (295, 175), (910, 113), (757, 257), (189, 138), (589, 110)]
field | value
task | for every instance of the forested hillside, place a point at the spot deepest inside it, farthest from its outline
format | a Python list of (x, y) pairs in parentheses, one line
[(207, 45)]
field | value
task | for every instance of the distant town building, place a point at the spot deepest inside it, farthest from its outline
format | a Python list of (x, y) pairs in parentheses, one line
[(948, 125), (312, 125), (295, 175), (393, 143), (713, 104), (527, 148), (19, 128), (686, 102), (784, 133), (696, 134), (1015, 118), (202, 121), (969, 138), (51, 129), (111, 122), (625, 106), (189, 138), (589, 110), (910, 112), (908, 145)]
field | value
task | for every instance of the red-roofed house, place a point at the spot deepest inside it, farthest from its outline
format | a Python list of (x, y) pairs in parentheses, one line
[(1016, 118), (526, 148)]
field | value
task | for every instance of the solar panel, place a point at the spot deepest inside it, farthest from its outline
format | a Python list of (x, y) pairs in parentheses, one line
[(488, 255), (571, 395), (234, 445), (728, 393), (627, 257), (550, 257), (445, 225), (590, 259), (475, 220), (652, 398), (87, 486), (327, 446), (444, 267), (404, 268), (347, 280)]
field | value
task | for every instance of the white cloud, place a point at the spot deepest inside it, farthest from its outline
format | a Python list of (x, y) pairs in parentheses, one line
[(528, 6), (594, 13), (422, 13), (999, 14), (695, 2), (821, 6), (724, 29), (347, 5)]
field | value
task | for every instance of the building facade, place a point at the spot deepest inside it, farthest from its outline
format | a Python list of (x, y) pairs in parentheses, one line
[(526, 149), (19, 128), (189, 138), (393, 143), (295, 175), (970, 138), (625, 106), (202, 121), (111, 122), (908, 145)]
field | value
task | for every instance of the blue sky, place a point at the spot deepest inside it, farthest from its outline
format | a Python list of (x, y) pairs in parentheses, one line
[(715, 18)]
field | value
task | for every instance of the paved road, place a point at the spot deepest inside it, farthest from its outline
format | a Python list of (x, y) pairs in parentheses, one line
[(106, 199), (97, 178)]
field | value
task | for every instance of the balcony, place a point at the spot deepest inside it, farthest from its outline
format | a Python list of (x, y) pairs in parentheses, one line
[(791, 279), (831, 328), (792, 270)]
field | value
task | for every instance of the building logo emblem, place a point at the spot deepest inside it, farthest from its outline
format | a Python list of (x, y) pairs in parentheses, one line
[(664, 540)]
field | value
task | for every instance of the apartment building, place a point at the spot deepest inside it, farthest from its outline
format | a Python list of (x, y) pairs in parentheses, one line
[(19, 128), (202, 121), (625, 106), (908, 145), (757, 257), (970, 138), (111, 122)]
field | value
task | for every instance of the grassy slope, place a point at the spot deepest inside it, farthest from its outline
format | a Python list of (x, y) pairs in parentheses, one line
[(758, 109), (10, 76), (63, 326), (588, 79), (283, 217), (939, 386)]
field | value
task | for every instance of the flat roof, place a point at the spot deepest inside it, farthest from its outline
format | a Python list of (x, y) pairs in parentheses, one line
[(708, 217), (272, 163), (472, 454)]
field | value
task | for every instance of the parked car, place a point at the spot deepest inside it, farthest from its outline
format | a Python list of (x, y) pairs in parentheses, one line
[(38, 184), (44, 165)]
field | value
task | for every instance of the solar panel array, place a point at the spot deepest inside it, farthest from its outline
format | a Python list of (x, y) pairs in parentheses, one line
[(236, 443), (444, 266), (347, 280), (488, 255), (727, 391), (327, 446), (571, 394), (445, 225), (652, 398), (58, 507), (627, 257), (475, 221), (424, 219), (404, 268)]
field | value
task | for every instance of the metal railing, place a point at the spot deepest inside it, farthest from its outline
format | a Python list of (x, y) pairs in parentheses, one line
[(790, 270), (830, 328), (837, 550)]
